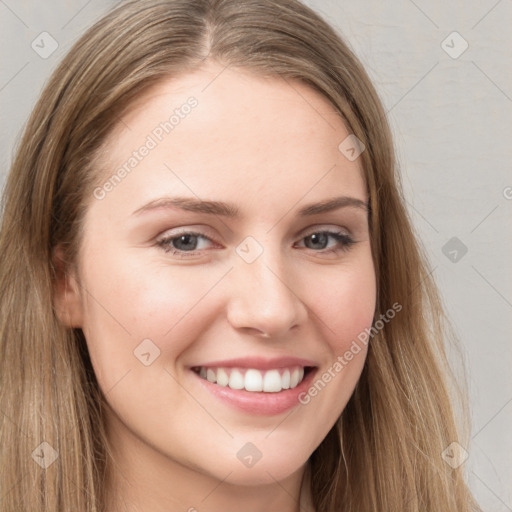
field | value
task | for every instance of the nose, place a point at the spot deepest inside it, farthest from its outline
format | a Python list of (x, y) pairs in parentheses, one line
[(263, 299)]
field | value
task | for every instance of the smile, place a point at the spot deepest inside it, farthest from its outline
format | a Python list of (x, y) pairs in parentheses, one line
[(254, 380)]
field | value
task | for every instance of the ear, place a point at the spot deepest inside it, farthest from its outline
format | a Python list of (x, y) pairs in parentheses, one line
[(67, 298)]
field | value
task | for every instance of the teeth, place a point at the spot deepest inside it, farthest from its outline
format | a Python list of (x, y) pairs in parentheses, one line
[(296, 376), (222, 377), (272, 382), (286, 379), (236, 380), (253, 380), (269, 381)]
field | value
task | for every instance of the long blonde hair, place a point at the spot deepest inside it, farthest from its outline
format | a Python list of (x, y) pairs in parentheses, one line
[(384, 453)]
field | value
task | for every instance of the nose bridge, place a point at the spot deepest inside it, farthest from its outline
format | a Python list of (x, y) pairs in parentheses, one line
[(262, 296)]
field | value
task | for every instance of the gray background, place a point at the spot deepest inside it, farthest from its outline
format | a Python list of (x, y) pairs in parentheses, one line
[(452, 118)]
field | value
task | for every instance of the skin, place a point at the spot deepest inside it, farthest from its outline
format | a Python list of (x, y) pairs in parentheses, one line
[(269, 146)]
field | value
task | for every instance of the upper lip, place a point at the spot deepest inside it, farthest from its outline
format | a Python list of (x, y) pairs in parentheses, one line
[(258, 363)]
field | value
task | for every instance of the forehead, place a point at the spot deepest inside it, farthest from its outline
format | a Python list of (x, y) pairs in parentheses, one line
[(220, 130)]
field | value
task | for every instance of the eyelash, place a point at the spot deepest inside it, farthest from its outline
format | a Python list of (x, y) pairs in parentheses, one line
[(346, 242)]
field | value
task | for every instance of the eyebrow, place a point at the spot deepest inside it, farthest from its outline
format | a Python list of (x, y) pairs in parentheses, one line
[(230, 210)]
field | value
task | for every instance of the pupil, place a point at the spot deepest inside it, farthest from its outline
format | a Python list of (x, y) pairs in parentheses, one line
[(184, 242), (318, 239)]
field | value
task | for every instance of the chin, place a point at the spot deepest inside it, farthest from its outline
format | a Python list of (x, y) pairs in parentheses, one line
[(277, 465)]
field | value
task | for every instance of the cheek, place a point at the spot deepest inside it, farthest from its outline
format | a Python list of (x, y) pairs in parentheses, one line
[(127, 304), (345, 302)]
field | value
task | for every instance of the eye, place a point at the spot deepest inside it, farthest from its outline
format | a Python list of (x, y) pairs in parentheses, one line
[(319, 241), (187, 242)]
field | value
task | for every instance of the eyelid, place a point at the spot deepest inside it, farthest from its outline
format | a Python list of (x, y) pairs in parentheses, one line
[(176, 232), (318, 228)]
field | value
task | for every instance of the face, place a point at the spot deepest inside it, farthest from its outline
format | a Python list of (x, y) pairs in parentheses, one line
[(223, 271)]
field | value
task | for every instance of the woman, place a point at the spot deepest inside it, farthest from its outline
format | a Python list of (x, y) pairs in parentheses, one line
[(212, 297)]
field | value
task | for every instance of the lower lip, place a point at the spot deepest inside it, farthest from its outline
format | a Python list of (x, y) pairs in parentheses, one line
[(259, 403)]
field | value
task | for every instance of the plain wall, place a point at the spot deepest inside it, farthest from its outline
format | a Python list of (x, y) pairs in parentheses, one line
[(451, 113)]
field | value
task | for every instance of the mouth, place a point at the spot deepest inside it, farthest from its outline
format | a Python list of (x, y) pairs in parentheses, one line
[(254, 380), (256, 385)]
